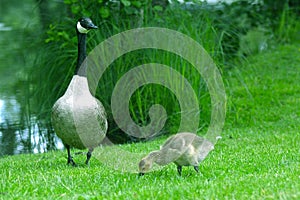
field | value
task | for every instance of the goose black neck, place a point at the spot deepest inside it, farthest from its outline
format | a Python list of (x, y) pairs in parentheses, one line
[(81, 70)]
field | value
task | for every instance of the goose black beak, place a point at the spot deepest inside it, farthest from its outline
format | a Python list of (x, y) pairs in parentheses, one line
[(93, 26), (141, 174)]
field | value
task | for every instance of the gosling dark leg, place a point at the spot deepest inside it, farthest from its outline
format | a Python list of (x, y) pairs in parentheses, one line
[(196, 168), (70, 159), (179, 170), (88, 156)]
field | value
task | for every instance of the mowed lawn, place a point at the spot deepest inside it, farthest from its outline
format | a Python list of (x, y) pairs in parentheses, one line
[(258, 156)]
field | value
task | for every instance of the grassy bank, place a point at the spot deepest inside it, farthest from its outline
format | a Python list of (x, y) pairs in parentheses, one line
[(258, 157)]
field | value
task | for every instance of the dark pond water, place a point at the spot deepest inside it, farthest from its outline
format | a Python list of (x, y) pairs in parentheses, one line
[(19, 135), (20, 131)]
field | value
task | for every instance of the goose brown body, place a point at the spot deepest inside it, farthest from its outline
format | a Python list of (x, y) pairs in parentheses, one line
[(78, 118)]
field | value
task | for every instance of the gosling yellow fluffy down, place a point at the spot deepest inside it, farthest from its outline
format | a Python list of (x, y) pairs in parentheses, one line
[(184, 149)]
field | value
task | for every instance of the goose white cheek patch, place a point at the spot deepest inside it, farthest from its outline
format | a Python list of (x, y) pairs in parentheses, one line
[(81, 29)]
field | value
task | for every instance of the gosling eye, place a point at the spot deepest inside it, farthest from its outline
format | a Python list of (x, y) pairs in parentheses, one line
[(143, 168)]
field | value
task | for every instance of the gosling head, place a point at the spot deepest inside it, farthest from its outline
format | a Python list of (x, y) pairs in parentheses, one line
[(145, 165), (147, 162), (84, 25)]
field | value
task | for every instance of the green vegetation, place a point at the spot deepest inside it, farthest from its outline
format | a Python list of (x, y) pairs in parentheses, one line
[(257, 158), (230, 33), (255, 46), (43, 53)]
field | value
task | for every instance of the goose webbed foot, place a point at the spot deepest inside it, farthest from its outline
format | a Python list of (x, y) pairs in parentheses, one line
[(179, 170), (70, 159), (196, 169), (71, 162)]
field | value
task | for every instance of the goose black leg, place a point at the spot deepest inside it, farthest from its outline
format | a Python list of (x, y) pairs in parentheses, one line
[(70, 159), (88, 156), (179, 169), (196, 168)]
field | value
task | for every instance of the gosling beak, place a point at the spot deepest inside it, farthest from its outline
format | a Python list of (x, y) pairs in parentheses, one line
[(141, 174)]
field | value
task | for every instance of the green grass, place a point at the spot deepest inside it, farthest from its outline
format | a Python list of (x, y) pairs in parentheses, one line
[(258, 157)]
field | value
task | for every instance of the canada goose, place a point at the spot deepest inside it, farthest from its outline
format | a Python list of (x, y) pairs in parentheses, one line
[(78, 118), (184, 149)]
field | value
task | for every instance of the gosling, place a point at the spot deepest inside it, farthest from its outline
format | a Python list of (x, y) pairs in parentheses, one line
[(184, 149)]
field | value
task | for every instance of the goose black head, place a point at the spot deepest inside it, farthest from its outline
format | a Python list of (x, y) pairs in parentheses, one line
[(84, 25)]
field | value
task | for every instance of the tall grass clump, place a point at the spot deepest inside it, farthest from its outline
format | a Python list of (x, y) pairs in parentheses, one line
[(225, 31), (287, 29), (55, 66)]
